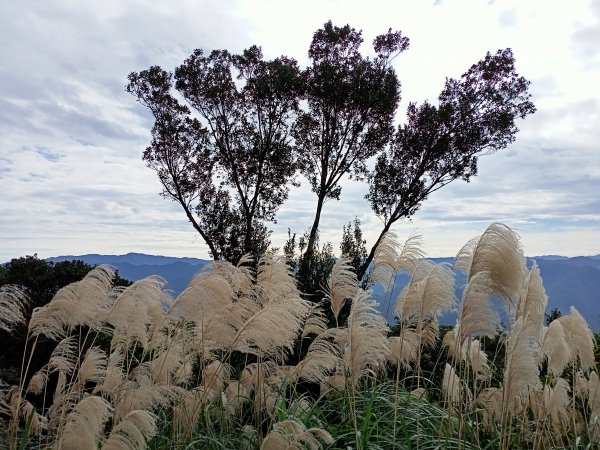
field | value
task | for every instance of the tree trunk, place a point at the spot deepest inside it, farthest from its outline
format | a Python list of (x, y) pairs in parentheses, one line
[(312, 239), (365, 266)]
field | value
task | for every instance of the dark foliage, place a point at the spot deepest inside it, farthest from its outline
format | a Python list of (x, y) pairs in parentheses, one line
[(353, 244), (439, 144), (351, 103), (41, 280), (230, 168)]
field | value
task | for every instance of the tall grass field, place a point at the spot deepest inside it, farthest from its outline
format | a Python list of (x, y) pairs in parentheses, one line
[(242, 360)]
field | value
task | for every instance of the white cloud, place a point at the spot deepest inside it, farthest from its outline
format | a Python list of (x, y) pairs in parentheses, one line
[(71, 138)]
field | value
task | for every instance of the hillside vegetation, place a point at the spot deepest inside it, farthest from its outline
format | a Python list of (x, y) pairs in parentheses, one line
[(242, 360)]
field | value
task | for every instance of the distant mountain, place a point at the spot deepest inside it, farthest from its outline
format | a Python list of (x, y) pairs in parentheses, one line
[(568, 281), (136, 259), (134, 266)]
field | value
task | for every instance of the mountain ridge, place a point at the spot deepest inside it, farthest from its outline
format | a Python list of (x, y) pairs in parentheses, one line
[(567, 280)]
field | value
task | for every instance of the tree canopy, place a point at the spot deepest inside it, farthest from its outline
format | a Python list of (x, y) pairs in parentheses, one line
[(233, 132)]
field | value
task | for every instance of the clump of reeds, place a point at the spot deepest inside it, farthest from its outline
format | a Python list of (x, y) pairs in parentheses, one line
[(229, 360)]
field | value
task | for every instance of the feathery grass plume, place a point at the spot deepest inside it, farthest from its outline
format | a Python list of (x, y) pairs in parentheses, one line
[(429, 293), (555, 348), (556, 402), (291, 434), (132, 432), (491, 401), (322, 358), (189, 407), (474, 355), (129, 314), (579, 337), (391, 258), (521, 373), (477, 315), (74, 305), (497, 252), (365, 347), (172, 364), (337, 382), (13, 307), (404, 348), (234, 396), (114, 376), (63, 360), (254, 326), (143, 393), (215, 374), (85, 424), (453, 389), (93, 367), (275, 280), (533, 303), (593, 398), (315, 323), (341, 286), (20, 408), (254, 375)]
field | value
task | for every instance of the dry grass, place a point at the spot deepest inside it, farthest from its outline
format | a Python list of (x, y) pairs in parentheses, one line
[(225, 354)]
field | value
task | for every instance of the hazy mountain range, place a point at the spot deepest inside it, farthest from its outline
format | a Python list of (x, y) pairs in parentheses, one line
[(568, 281)]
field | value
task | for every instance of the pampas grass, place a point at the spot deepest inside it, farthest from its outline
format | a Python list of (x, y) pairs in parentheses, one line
[(236, 360)]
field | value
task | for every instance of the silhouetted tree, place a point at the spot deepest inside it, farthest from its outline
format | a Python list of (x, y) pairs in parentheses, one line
[(351, 103), (353, 244), (439, 144), (231, 165), (552, 315)]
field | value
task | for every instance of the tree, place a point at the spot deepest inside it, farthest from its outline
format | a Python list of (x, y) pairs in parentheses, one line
[(229, 155), (554, 314), (351, 103), (231, 165), (439, 144), (353, 244)]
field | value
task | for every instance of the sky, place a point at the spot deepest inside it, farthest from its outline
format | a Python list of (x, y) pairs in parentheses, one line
[(72, 180)]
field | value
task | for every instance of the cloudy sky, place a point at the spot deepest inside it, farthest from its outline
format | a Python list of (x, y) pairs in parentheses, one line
[(71, 176)]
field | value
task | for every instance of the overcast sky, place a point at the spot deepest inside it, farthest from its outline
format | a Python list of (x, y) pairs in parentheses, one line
[(71, 176)]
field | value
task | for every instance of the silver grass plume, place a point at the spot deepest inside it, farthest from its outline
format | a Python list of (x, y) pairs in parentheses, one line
[(85, 424), (132, 432), (498, 253), (533, 303), (521, 374), (13, 307), (341, 286), (404, 348), (392, 258), (322, 358), (130, 315), (74, 305), (579, 337), (365, 346), (291, 434), (555, 349), (429, 293)]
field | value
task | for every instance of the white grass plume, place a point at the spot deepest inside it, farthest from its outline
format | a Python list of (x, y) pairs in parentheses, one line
[(497, 252), (291, 434), (365, 347), (74, 305), (404, 348), (579, 337), (341, 286), (13, 307), (532, 304), (477, 315), (132, 432), (521, 373), (322, 358), (429, 294), (555, 349), (85, 424), (392, 258)]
